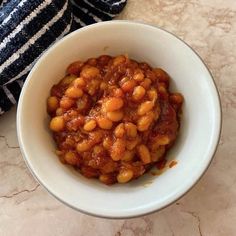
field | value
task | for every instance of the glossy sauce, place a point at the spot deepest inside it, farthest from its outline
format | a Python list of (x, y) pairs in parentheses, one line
[(113, 118)]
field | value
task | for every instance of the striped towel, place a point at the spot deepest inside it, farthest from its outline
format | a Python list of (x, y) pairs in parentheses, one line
[(29, 27)]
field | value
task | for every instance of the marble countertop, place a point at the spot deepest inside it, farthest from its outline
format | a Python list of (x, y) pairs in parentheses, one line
[(209, 209)]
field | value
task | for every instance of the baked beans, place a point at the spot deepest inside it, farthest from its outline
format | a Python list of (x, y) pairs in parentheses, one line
[(113, 118)]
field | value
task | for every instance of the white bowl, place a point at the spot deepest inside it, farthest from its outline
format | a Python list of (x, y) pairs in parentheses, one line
[(195, 146)]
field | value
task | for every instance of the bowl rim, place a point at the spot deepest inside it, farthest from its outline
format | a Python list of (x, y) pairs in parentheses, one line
[(133, 214)]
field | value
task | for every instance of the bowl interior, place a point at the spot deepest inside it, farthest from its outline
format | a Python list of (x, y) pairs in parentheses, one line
[(200, 125)]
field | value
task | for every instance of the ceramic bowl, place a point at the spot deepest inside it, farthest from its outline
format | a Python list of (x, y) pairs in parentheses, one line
[(195, 145)]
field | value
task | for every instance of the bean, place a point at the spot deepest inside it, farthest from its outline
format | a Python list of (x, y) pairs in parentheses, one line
[(115, 115), (176, 98), (104, 60), (131, 130), (144, 122), (89, 72), (124, 79), (131, 144), (119, 60), (128, 156), (96, 136), (145, 107), (103, 86), (90, 125), (107, 143), (139, 76), (70, 114), (67, 80), (118, 93), (59, 111), (79, 83), (57, 124), (66, 103), (73, 92), (162, 88), (98, 149), (71, 158), (152, 95), (156, 155), (92, 61), (104, 123), (74, 67), (83, 146), (106, 179), (138, 93), (53, 103), (117, 149), (161, 75), (128, 86), (125, 176), (93, 86), (119, 130), (114, 103), (163, 139), (144, 154), (146, 83)]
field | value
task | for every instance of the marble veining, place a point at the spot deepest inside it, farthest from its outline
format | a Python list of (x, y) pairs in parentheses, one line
[(209, 209)]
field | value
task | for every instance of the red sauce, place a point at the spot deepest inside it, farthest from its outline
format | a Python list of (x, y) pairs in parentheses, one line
[(113, 118)]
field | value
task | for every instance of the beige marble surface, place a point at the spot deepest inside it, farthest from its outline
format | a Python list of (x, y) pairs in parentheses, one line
[(209, 209)]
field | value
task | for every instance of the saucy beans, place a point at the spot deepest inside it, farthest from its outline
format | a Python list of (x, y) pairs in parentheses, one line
[(113, 118)]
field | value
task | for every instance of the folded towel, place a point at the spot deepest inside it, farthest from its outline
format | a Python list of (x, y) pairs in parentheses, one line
[(29, 27)]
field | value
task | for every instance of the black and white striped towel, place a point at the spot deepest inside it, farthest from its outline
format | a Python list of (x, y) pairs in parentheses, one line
[(29, 27)]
